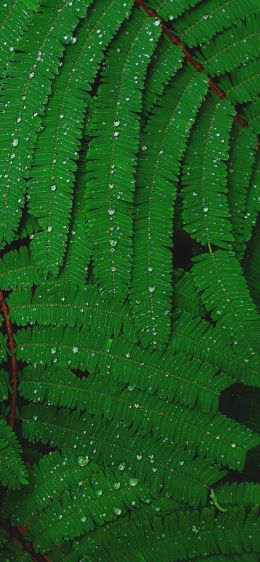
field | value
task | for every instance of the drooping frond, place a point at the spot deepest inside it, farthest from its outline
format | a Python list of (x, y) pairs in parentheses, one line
[(163, 144), (115, 124), (60, 304), (52, 175), (17, 269), (219, 278), (207, 19), (230, 49), (244, 493), (206, 214), (226, 442), (165, 468), (243, 146), (13, 473), (33, 69), (172, 378), (164, 65)]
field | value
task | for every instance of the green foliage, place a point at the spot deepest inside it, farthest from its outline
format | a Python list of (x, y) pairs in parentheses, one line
[(129, 280)]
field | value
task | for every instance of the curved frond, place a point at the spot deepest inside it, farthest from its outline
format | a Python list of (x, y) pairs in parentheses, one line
[(172, 378), (163, 144), (61, 304), (206, 214), (185, 295), (164, 468), (170, 9), (32, 70), (115, 124), (214, 436), (52, 176)]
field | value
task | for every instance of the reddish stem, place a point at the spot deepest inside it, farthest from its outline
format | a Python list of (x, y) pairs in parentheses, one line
[(11, 345), (17, 535), (198, 67)]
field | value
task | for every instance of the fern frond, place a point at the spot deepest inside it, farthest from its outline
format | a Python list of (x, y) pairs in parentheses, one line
[(77, 256), (243, 83), (209, 18), (230, 49), (32, 70), (17, 269), (164, 65), (13, 473), (252, 265), (199, 339), (15, 18), (242, 494), (170, 9), (61, 304), (226, 442), (243, 146), (52, 178), (206, 214), (180, 536), (253, 201), (97, 499), (185, 295), (110, 176), (157, 178), (252, 113), (168, 470), (173, 378), (218, 276)]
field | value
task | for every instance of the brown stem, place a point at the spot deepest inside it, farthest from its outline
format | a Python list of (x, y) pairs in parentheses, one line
[(11, 345), (17, 535), (198, 67)]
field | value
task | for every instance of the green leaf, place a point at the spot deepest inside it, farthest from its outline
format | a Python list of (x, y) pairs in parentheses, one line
[(206, 214), (17, 269), (156, 186), (115, 124), (52, 177)]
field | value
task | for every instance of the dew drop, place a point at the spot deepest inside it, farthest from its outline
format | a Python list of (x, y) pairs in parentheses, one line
[(15, 142)]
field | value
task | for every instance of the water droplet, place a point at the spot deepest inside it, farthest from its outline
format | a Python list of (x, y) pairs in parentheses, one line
[(150, 269), (82, 461), (133, 481), (116, 123), (18, 120), (49, 228), (205, 209), (115, 133), (233, 445), (151, 289), (156, 22), (139, 456), (144, 147), (15, 142), (99, 492), (117, 510), (53, 187), (121, 466), (113, 243), (116, 485), (75, 349), (53, 350), (83, 519), (111, 211)]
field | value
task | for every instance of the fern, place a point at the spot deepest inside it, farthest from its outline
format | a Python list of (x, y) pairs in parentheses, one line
[(129, 280)]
